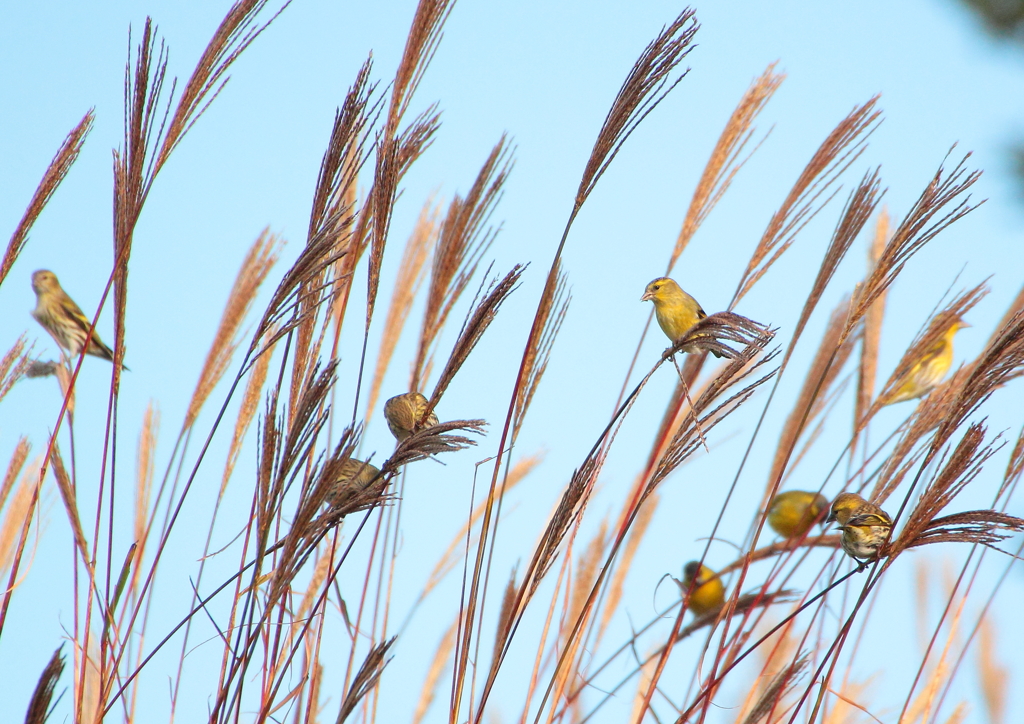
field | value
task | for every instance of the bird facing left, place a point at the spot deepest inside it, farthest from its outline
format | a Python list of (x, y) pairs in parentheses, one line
[(63, 319)]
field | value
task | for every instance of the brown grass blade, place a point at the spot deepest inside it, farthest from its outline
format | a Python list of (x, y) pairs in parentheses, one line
[(144, 479), (66, 155), (365, 679), (256, 265), (636, 535), (922, 223), (473, 329), (17, 461), (554, 305), (993, 675), (18, 516), (872, 333), (70, 500), (406, 286), (647, 84), (246, 413), (39, 705), (783, 682), (838, 151), (437, 666), (724, 162), (420, 45), (506, 615), (14, 364), (465, 236), (828, 362)]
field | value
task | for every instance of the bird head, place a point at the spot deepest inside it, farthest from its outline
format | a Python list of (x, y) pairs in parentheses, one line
[(843, 507), (44, 280), (660, 290), (695, 571)]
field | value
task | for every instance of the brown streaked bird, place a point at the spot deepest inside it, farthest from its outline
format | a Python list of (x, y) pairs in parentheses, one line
[(928, 371), (354, 477), (708, 595), (404, 414), (793, 512), (865, 526), (63, 319), (677, 311)]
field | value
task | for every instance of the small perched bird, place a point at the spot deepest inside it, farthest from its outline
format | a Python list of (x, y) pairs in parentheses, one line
[(404, 414), (709, 594), (865, 526), (677, 311), (792, 513), (63, 319), (929, 370), (354, 476)]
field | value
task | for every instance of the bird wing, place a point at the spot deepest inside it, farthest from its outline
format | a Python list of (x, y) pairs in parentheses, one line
[(865, 519)]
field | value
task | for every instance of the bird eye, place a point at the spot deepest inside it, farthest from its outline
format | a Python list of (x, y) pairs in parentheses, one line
[(657, 287)]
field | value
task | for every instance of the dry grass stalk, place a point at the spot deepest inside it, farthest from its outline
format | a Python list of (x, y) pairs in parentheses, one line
[(745, 603), (365, 679), (259, 260), (723, 164), (66, 155), (640, 698), (437, 667), (19, 516), (858, 210), (433, 440), (782, 683), (687, 438), (506, 616), (1012, 311), (246, 413), (14, 364), (554, 305), (647, 84), (473, 329), (70, 499), (144, 479), (1002, 361), (828, 362), (711, 333), (570, 507), (1014, 468), (927, 341), (39, 705), (345, 155), (144, 153), (420, 45), (394, 157), (14, 466), (993, 674), (922, 223), (838, 151), (586, 571), (452, 553), (872, 332), (406, 286), (636, 536), (464, 238)]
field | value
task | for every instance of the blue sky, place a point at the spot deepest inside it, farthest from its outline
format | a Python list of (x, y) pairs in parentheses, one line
[(545, 73)]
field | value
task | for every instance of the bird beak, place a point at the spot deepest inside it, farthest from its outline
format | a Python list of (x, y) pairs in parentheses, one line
[(647, 297), (830, 519)]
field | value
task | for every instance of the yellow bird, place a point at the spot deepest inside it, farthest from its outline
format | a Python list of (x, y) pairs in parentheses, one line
[(929, 370), (677, 311), (404, 414), (63, 319), (792, 513), (709, 594), (865, 526)]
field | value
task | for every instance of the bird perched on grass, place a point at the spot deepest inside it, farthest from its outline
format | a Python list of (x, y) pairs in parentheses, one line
[(929, 370), (677, 311), (709, 594), (792, 513), (63, 319), (865, 526), (404, 414), (354, 477)]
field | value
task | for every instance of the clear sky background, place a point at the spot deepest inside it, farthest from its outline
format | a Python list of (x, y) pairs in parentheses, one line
[(545, 73)]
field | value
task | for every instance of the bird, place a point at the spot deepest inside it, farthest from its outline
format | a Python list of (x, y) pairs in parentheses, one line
[(793, 512), (354, 477), (63, 319), (929, 370), (708, 595), (404, 414), (677, 311), (865, 526)]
